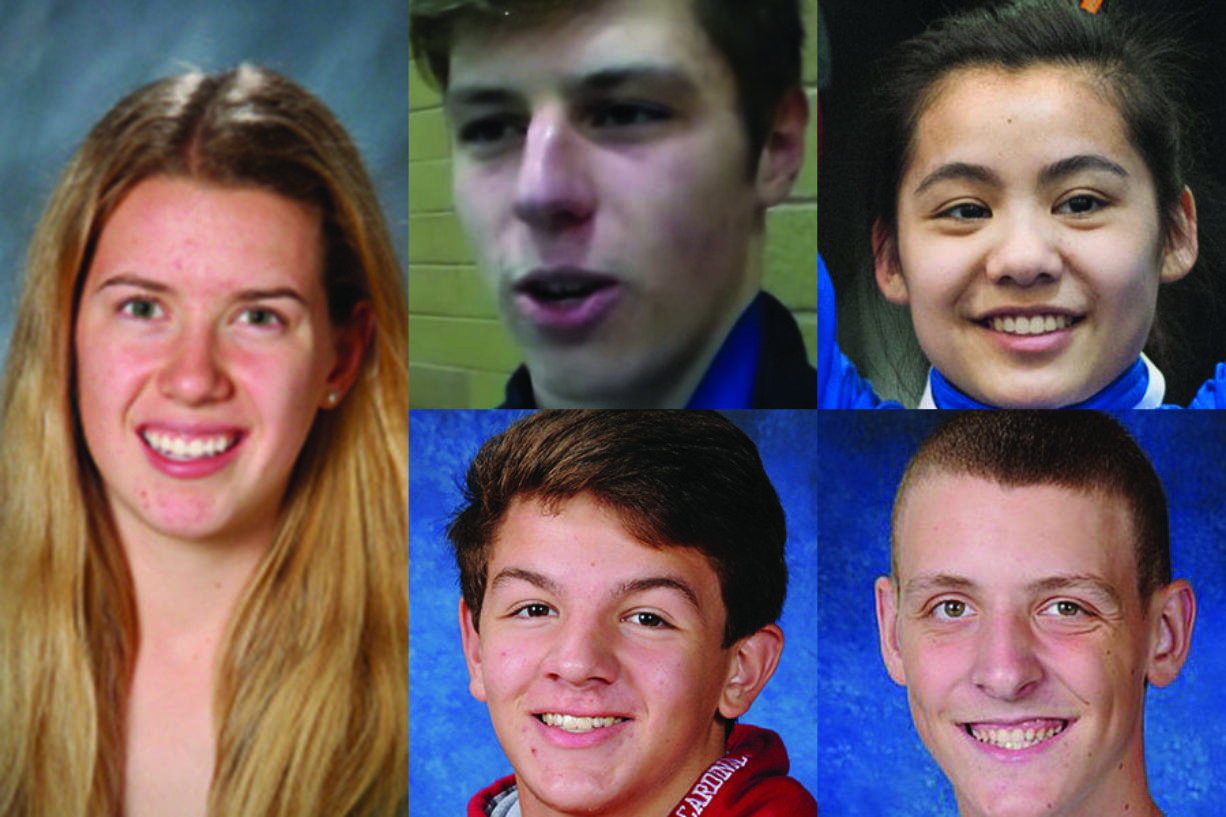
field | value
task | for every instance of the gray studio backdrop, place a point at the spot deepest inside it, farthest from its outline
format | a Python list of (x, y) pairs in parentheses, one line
[(63, 63)]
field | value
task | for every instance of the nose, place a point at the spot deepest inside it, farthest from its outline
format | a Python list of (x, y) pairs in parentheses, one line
[(1006, 665), (192, 373), (1026, 253), (554, 189), (582, 653)]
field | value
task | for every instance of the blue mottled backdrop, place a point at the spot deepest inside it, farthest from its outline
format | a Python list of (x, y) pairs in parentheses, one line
[(452, 748), (63, 63), (871, 762)]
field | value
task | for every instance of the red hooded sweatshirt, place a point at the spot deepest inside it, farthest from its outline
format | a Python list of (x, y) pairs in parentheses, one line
[(750, 780)]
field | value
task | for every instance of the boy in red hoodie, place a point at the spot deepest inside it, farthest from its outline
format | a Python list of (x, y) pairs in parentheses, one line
[(621, 574)]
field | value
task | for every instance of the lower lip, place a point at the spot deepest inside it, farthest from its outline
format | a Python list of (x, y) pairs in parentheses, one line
[(1015, 755), (580, 740), (191, 469), (569, 318), (1044, 344)]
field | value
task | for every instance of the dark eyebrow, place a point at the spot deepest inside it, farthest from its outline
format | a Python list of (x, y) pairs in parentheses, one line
[(603, 79), (510, 574), (959, 171), (1078, 164), (652, 582)]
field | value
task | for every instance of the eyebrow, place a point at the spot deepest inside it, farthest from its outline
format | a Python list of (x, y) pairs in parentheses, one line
[(1080, 163), (626, 588), (1063, 168), (603, 79), (140, 282), (935, 582), (653, 582)]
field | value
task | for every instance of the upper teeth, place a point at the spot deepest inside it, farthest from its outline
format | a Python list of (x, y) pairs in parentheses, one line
[(1034, 325), (175, 447), (1015, 738), (570, 723)]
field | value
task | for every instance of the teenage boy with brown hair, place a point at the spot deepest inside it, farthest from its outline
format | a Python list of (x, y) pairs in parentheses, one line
[(613, 161), (622, 574)]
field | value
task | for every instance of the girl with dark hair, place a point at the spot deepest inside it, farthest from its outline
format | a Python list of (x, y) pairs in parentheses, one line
[(1029, 199)]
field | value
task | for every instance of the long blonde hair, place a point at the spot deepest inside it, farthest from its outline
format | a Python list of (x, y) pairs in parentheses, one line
[(311, 694)]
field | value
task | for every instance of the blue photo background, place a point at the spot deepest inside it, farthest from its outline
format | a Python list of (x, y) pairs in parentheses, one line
[(64, 63), (452, 748), (871, 762)]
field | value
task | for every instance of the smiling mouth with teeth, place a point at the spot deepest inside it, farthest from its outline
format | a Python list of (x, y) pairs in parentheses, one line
[(1030, 325), (186, 449), (575, 724), (1015, 739)]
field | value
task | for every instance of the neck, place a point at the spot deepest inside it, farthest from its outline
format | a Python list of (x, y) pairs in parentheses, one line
[(185, 591)]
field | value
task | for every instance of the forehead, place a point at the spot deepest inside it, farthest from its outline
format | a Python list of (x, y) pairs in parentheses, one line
[(544, 51), (972, 114), (1012, 536), (585, 549), (219, 237)]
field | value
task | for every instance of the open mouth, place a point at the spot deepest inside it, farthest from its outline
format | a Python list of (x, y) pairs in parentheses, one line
[(576, 724), (561, 288), (188, 448), (1016, 738), (1030, 324)]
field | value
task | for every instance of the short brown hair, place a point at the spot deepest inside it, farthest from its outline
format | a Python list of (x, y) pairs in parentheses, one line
[(1082, 450), (762, 41), (675, 479)]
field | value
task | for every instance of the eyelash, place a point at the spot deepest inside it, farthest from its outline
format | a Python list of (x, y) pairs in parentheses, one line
[(957, 211), (950, 212)]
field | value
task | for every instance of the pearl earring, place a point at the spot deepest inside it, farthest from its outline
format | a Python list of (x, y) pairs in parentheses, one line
[(332, 398)]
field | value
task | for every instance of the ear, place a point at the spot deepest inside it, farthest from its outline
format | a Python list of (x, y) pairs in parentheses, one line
[(1182, 247), (784, 150), (887, 628), (350, 342), (885, 264), (472, 652), (1172, 614), (752, 663)]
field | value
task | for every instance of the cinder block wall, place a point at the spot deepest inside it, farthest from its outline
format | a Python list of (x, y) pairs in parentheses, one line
[(459, 353)]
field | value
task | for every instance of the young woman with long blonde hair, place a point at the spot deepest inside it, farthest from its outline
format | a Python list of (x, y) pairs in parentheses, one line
[(203, 471)]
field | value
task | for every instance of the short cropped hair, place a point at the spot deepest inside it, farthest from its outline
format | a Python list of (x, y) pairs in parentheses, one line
[(674, 478), (1081, 450), (761, 40)]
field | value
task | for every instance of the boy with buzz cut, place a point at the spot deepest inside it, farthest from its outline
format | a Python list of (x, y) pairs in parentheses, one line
[(1029, 606), (621, 577), (612, 165)]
